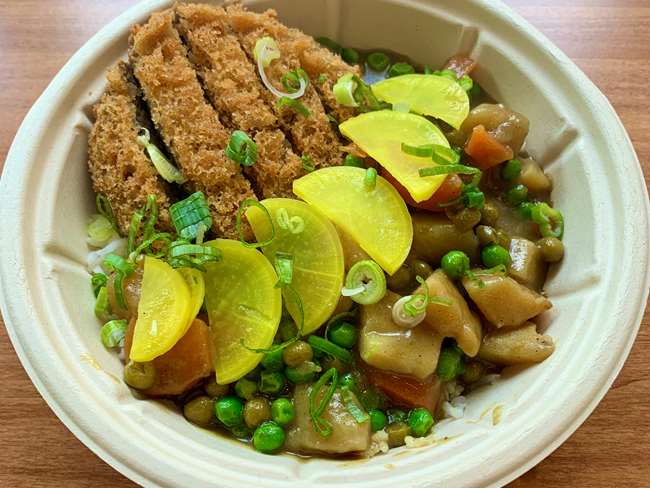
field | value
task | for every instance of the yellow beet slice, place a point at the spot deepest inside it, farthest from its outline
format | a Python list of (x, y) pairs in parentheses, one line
[(432, 95), (244, 307), (196, 284), (376, 219), (381, 134), (317, 256), (163, 311)]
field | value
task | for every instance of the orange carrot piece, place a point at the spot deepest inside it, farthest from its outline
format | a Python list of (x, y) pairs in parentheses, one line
[(486, 150)]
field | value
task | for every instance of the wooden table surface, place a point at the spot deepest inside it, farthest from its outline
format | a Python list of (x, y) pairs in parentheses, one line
[(608, 39)]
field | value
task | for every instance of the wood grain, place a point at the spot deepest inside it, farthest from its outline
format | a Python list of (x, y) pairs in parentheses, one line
[(608, 39)]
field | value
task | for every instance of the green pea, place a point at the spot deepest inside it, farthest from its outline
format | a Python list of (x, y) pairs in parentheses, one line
[(256, 411), (464, 219), (287, 329), (213, 389), (271, 382), (552, 249), (303, 373), (268, 437), (455, 264), (421, 268), (245, 388), (516, 195), (282, 411), (371, 398), (489, 214), (474, 371), (333, 46), (343, 334), (378, 419), (140, 376), (399, 69), (402, 280), (229, 410), (353, 161), (199, 411), (297, 353), (397, 432), (396, 415), (272, 361), (349, 55), (486, 235), (495, 255), (240, 431), (420, 421), (378, 61), (255, 373), (450, 363), (510, 170)]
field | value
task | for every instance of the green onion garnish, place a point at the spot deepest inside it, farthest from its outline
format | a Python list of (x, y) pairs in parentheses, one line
[(450, 363), (187, 215), (294, 224), (378, 61), (338, 318), (399, 69), (134, 228), (113, 333), (466, 83), (344, 90), (266, 50), (284, 269), (440, 154), (417, 304), (241, 149), (97, 281), (365, 282), (425, 151), (322, 78), (151, 209), (155, 246), (353, 161), (307, 163), (330, 348), (370, 179), (250, 202), (183, 254), (550, 220), (294, 105), (472, 197), (349, 55), (100, 231), (168, 172), (333, 46), (359, 415), (122, 269), (322, 426), (104, 208), (291, 79), (102, 304), (448, 169)]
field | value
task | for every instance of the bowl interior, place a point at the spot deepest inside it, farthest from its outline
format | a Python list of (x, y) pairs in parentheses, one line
[(508, 426)]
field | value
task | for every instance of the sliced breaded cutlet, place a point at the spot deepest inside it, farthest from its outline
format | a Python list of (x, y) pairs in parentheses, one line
[(310, 135), (187, 123), (232, 85), (119, 167)]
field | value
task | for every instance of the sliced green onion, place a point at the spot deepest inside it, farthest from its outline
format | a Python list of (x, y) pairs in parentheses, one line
[(322, 426), (187, 215), (370, 179), (291, 79), (250, 202), (367, 280), (466, 83), (550, 220), (182, 254), (104, 208), (344, 91), (445, 155), (294, 224), (365, 97), (241, 149), (447, 73), (97, 281), (349, 55), (100, 231), (168, 172), (307, 163), (284, 269), (322, 78), (113, 333), (102, 304), (399, 69), (450, 363), (122, 268), (330, 348), (337, 318), (266, 50), (472, 197), (294, 105), (353, 161), (417, 304), (359, 415), (448, 169), (160, 241), (378, 61), (425, 151), (134, 229), (150, 209), (333, 46)]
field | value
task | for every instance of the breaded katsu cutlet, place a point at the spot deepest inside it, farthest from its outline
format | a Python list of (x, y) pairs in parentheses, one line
[(192, 67), (119, 167), (187, 123)]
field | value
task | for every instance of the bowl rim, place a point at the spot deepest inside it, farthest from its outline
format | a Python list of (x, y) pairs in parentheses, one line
[(15, 173)]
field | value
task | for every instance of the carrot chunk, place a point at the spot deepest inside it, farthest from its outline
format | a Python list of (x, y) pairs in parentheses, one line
[(486, 150)]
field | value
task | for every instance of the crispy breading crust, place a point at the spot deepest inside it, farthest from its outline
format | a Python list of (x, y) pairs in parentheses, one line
[(118, 166), (232, 84), (312, 135), (187, 123)]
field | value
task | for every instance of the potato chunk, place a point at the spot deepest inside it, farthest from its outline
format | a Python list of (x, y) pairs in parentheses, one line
[(516, 346), (455, 320), (503, 301), (387, 346), (533, 177), (347, 434), (527, 264), (435, 235)]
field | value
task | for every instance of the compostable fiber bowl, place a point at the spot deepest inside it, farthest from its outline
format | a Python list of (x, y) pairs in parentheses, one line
[(599, 292)]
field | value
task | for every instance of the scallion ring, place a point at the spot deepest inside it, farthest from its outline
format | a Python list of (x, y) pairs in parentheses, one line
[(318, 406), (294, 224), (344, 90), (97, 281), (369, 276), (113, 333), (370, 179), (359, 415), (250, 202), (448, 169), (284, 268), (104, 208), (265, 51), (291, 79), (307, 163), (100, 231), (328, 347), (190, 213), (294, 105), (168, 172), (122, 269), (242, 149), (549, 219)]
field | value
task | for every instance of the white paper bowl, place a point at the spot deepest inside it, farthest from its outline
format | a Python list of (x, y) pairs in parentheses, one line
[(599, 291)]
